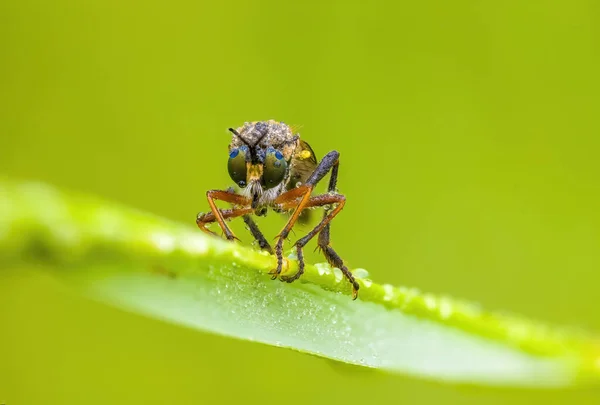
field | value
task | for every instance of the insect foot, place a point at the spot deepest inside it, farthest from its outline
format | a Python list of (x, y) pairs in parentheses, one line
[(201, 221), (300, 256), (281, 268)]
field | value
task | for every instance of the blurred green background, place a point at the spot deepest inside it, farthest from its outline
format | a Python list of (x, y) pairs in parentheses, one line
[(468, 134)]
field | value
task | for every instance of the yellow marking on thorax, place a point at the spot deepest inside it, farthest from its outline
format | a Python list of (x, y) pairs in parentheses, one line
[(305, 154)]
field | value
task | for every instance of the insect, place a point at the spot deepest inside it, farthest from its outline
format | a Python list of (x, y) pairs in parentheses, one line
[(273, 168)]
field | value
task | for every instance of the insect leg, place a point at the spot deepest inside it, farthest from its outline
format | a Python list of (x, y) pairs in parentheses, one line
[(260, 238), (303, 194), (227, 196), (324, 235), (324, 238), (289, 198), (323, 230), (336, 261), (209, 217)]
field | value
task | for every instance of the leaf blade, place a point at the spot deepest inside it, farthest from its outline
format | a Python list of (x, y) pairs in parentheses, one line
[(162, 269)]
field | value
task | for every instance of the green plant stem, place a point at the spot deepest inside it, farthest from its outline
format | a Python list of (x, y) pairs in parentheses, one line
[(86, 242)]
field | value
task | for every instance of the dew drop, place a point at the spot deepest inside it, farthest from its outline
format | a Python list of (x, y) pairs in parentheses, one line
[(360, 273), (409, 294), (445, 308), (430, 301), (163, 242), (388, 289), (322, 268)]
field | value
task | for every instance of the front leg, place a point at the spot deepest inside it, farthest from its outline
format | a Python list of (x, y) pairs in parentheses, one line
[(253, 228), (303, 194), (226, 196), (209, 217), (331, 199), (287, 199)]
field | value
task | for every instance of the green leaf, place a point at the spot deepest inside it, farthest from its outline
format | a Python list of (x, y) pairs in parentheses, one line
[(153, 266)]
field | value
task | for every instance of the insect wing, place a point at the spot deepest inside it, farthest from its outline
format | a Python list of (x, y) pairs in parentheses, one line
[(304, 164)]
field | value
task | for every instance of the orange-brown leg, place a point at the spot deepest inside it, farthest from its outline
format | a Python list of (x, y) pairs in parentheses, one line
[(209, 217), (226, 196), (297, 198), (332, 257), (302, 194), (254, 230), (316, 201), (291, 197), (323, 228)]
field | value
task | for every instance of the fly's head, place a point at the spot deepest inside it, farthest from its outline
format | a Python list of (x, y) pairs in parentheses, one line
[(260, 154)]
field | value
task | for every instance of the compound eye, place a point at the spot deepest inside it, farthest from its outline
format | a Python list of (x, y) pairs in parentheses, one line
[(237, 165), (275, 168)]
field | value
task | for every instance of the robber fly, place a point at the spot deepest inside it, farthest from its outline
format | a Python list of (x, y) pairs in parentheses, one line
[(274, 168)]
